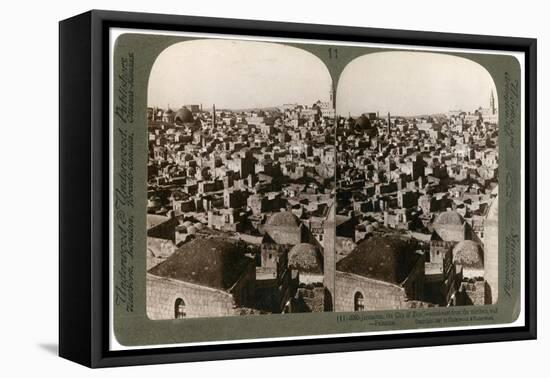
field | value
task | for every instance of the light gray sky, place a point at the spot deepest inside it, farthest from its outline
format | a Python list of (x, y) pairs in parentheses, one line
[(236, 74), (412, 83)]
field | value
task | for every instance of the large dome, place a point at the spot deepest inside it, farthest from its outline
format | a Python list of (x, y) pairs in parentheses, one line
[(305, 258), (214, 262), (184, 115), (283, 219), (449, 217), (388, 259), (362, 123), (469, 254)]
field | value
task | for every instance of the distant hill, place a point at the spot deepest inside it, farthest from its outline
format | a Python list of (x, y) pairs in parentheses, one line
[(436, 115), (265, 109)]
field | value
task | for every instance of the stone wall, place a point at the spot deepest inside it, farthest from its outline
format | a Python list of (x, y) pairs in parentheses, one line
[(441, 252), (472, 292), (473, 273), (414, 283), (200, 301), (378, 295), (309, 299), (311, 278), (274, 256), (244, 289)]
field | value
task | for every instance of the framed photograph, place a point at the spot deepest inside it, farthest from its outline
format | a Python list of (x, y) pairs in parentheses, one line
[(235, 188)]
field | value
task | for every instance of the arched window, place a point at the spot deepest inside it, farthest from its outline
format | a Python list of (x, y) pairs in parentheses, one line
[(179, 309), (358, 302)]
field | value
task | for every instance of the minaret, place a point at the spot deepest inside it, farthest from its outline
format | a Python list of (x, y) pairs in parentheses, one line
[(213, 116), (329, 259), (389, 124)]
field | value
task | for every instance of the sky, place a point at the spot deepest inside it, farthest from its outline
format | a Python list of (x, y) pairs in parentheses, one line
[(412, 83), (236, 74)]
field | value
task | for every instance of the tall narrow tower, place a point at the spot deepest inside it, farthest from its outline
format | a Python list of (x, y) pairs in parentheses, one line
[(213, 116), (389, 124), (329, 259)]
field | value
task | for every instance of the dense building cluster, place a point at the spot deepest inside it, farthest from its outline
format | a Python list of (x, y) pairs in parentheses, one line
[(237, 202), (297, 209), (422, 192)]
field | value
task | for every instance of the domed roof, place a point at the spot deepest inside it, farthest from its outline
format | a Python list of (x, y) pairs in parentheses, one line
[(469, 254), (449, 217), (184, 115), (362, 123), (214, 262), (284, 219), (306, 258), (388, 259), (168, 112)]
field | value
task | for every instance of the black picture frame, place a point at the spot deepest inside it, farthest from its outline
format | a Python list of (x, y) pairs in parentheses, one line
[(83, 181)]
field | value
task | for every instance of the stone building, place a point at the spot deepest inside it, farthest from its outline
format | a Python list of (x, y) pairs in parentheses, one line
[(284, 233), (274, 286), (442, 278), (381, 273), (226, 220), (168, 116), (234, 198), (427, 203), (406, 198), (474, 290), (260, 203), (243, 163), (273, 255), (205, 277)]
